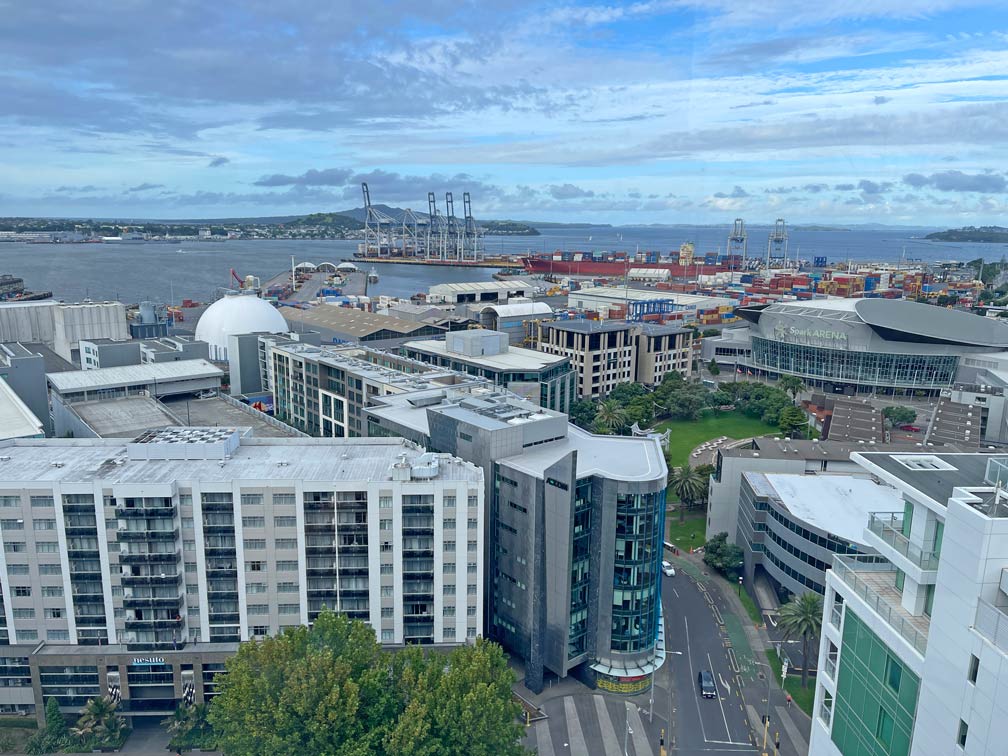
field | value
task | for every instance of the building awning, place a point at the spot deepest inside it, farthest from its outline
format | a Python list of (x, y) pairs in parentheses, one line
[(619, 668)]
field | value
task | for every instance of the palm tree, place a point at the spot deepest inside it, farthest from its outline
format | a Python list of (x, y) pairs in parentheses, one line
[(802, 616), (687, 484), (99, 722), (188, 726), (611, 417), (792, 384)]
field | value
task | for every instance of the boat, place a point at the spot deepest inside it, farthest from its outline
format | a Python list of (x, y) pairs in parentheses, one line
[(616, 264), (372, 276)]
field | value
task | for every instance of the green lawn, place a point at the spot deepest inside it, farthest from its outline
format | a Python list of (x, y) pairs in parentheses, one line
[(803, 697), (688, 434), (695, 525)]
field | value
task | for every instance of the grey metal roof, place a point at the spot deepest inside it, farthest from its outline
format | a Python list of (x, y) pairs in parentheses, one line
[(128, 375), (931, 322), (589, 326), (963, 470)]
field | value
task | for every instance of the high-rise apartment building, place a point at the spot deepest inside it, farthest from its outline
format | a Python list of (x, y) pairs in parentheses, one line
[(143, 564), (914, 650)]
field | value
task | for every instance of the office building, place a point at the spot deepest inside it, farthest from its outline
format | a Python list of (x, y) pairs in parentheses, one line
[(23, 369), (545, 379), (574, 530), (105, 353), (141, 564), (914, 648), (602, 299), (173, 349), (862, 346), (513, 318), (606, 353), (790, 526)]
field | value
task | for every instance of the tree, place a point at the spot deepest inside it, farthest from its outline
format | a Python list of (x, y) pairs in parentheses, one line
[(722, 556), (802, 616), (610, 417), (331, 689), (704, 471), (688, 486), (792, 384), (99, 725), (582, 413), (189, 728), (898, 415), (792, 421), (56, 725), (710, 332), (713, 368)]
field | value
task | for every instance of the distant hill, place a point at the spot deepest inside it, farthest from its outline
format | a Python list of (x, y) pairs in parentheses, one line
[(989, 234), (331, 220), (492, 227)]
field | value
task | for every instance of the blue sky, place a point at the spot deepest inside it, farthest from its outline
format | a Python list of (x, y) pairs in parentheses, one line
[(695, 111)]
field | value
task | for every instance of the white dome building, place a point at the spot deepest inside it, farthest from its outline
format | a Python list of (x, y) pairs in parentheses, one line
[(235, 314)]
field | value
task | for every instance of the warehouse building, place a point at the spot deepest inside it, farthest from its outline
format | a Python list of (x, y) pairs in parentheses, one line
[(138, 566), (60, 326), (483, 291), (860, 346)]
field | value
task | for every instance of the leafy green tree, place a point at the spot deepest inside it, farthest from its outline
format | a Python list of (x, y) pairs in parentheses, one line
[(710, 332), (802, 616), (792, 421), (99, 725), (713, 368), (56, 724), (582, 413), (687, 484), (899, 415), (792, 384), (611, 417), (189, 728), (722, 556), (330, 689)]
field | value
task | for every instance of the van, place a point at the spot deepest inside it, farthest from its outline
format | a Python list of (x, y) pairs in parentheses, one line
[(705, 681)]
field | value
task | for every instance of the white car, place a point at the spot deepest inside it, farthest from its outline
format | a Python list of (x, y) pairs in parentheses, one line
[(668, 569)]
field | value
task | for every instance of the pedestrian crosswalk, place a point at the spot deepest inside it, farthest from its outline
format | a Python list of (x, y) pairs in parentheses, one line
[(592, 725)]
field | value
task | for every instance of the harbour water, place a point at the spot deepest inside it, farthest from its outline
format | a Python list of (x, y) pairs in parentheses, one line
[(165, 272)]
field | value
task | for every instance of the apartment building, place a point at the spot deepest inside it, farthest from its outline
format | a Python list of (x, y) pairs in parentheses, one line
[(606, 353), (142, 564), (574, 530), (914, 648)]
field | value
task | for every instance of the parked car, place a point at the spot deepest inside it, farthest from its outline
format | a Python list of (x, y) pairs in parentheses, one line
[(705, 681), (911, 428), (668, 569)]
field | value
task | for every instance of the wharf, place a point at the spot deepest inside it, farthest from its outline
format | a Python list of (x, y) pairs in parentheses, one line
[(487, 262)]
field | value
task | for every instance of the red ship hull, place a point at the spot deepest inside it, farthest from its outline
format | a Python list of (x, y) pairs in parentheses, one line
[(613, 269)]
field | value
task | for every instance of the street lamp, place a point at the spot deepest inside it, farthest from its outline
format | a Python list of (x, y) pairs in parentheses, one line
[(651, 699), (740, 586), (627, 733), (766, 716)]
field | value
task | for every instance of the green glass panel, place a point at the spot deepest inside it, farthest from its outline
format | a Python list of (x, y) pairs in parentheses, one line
[(908, 508), (928, 599), (900, 580), (939, 533)]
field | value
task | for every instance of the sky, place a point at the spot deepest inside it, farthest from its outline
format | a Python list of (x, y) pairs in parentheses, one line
[(689, 111)]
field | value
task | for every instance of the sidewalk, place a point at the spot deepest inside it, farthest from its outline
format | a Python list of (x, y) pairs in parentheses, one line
[(791, 723)]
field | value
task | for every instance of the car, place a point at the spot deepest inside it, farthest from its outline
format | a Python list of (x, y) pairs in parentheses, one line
[(911, 428), (668, 569), (705, 681)]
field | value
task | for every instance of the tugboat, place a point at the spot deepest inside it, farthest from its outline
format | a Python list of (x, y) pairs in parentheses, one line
[(372, 277)]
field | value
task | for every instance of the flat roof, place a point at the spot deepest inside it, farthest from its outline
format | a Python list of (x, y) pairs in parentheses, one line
[(123, 418), (769, 447), (583, 325), (519, 309), (466, 287), (351, 321), (219, 412), (929, 473), (274, 461), (515, 358), (16, 420), (837, 504), (617, 457), (53, 362), (83, 380), (620, 293)]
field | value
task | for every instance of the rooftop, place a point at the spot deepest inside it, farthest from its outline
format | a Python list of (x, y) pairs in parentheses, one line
[(837, 504), (632, 294), (589, 326), (351, 321), (930, 474), (778, 448), (16, 420), (515, 358), (521, 308), (511, 284), (52, 361), (128, 375), (123, 418), (272, 461)]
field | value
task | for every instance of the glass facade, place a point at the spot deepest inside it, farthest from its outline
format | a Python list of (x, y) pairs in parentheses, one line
[(863, 368), (580, 557), (637, 571), (876, 699)]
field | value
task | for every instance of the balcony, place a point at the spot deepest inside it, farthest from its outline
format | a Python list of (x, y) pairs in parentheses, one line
[(145, 512), (212, 528), (154, 623), (90, 620), (152, 602), (148, 557), (874, 583), (992, 623), (81, 530), (887, 529), (165, 578), (147, 535)]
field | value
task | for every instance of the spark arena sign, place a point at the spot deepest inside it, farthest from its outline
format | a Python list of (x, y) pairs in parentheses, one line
[(783, 332)]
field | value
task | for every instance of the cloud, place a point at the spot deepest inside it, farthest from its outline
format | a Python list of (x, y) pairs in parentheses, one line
[(77, 189), (873, 188), (218, 161), (312, 177), (143, 188), (843, 187), (815, 188), (957, 181), (881, 100), (737, 193), (569, 191), (752, 104)]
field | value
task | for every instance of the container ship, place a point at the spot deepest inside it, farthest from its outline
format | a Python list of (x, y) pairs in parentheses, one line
[(617, 264)]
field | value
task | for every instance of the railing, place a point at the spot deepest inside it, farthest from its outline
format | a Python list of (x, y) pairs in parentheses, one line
[(888, 526), (847, 569), (992, 623), (836, 615)]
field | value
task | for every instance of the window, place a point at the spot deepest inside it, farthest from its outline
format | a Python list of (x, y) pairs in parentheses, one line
[(54, 614), (387, 611), (471, 546), (449, 502), (470, 590), (188, 545), (254, 544), (255, 587), (284, 499), (386, 590), (286, 543), (884, 727), (386, 569), (960, 738), (289, 609), (10, 501), (449, 588), (17, 569), (251, 500), (386, 636), (449, 545), (260, 631), (190, 567), (448, 611), (254, 566), (46, 547), (12, 524), (449, 568), (52, 591), (471, 568), (187, 523), (192, 590), (384, 502), (14, 547), (23, 591), (894, 674), (42, 501), (28, 634), (285, 521), (258, 609), (287, 587), (287, 565), (449, 523), (50, 569), (385, 524), (974, 669), (24, 614), (253, 522), (56, 635), (44, 525), (471, 524)]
